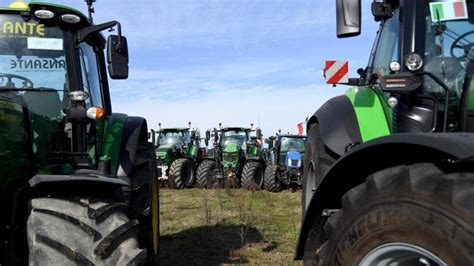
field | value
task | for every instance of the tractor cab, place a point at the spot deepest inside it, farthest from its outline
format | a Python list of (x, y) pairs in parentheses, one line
[(53, 85), (290, 149), (173, 137), (236, 136)]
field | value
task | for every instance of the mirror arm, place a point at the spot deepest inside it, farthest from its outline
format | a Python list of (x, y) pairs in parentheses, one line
[(86, 32)]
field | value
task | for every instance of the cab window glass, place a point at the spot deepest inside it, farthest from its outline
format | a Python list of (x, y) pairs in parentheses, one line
[(90, 75)]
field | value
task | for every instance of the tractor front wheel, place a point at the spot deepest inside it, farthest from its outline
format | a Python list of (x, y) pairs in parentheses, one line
[(252, 175), (83, 232), (181, 174), (404, 215), (205, 174), (272, 179)]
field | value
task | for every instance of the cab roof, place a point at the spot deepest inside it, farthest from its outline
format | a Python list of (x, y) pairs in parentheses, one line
[(57, 9), (174, 129), (235, 129), (291, 136)]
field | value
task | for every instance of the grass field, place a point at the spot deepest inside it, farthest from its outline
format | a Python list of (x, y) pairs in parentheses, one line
[(228, 226)]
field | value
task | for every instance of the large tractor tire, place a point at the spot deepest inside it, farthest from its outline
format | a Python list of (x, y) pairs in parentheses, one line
[(182, 174), (316, 162), (205, 174), (272, 179), (252, 175), (82, 232), (404, 215)]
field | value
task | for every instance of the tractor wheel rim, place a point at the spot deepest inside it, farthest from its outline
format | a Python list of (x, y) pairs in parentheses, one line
[(400, 253)]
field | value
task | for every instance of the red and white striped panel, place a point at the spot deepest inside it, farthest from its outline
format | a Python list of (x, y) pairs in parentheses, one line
[(337, 71)]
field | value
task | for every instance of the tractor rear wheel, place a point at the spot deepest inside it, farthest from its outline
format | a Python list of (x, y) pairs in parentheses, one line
[(181, 174), (252, 175), (272, 179), (404, 215), (82, 231), (205, 177)]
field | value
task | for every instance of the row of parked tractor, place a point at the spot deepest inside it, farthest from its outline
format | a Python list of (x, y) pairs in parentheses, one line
[(228, 157)]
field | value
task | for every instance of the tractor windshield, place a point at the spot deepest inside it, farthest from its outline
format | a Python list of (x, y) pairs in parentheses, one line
[(33, 77), (292, 144), (171, 138), (33, 66), (234, 137), (449, 43)]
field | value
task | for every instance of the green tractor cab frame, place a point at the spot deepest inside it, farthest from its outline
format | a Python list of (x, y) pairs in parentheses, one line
[(68, 162)]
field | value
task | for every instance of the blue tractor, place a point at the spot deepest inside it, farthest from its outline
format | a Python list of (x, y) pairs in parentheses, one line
[(285, 163)]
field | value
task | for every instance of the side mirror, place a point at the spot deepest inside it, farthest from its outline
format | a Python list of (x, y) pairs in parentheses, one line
[(153, 137), (208, 135), (193, 134), (206, 141), (259, 133), (216, 135), (158, 140), (117, 57), (348, 18)]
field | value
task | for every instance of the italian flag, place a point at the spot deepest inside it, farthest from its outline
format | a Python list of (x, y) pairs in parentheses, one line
[(448, 10)]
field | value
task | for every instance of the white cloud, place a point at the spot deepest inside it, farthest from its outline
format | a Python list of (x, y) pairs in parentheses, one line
[(277, 108)]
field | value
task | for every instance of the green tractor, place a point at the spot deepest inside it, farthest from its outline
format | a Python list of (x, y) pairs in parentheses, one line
[(178, 155), (285, 162), (389, 165), (236, 159), (77, 181)]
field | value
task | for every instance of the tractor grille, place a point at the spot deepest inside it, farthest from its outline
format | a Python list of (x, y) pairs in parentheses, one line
[(294, 163), (230, 157)]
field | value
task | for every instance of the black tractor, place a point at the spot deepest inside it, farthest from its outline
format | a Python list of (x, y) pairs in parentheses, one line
[(389, 165)]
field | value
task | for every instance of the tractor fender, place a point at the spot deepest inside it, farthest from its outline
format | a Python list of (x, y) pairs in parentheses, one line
[(93, 183), (337, 124), (135, 132), (253, 158), (448, 150)]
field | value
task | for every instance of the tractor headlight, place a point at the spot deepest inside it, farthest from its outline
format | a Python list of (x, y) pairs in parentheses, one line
[(70, 18), (78, 96), (413, 62), (44, 14)]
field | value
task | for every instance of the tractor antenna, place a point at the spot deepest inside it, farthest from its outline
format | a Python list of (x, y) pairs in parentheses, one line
[(251, 125), (220, 125), (90, 8), (189, 124), (159, 126)]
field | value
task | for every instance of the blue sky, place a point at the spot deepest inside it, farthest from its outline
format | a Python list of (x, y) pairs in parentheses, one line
[(229, 61)]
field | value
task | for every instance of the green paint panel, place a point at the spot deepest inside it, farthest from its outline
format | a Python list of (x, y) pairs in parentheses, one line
[(471, 95), (192, 151), (113, 129), (373, 117), (231, 148)]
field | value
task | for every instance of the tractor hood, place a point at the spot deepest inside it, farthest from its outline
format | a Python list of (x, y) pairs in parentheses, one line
[(163, 149), (293, 159), (231, 148)]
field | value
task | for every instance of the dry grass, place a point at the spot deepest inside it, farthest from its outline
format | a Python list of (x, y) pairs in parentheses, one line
[(228, 226)]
